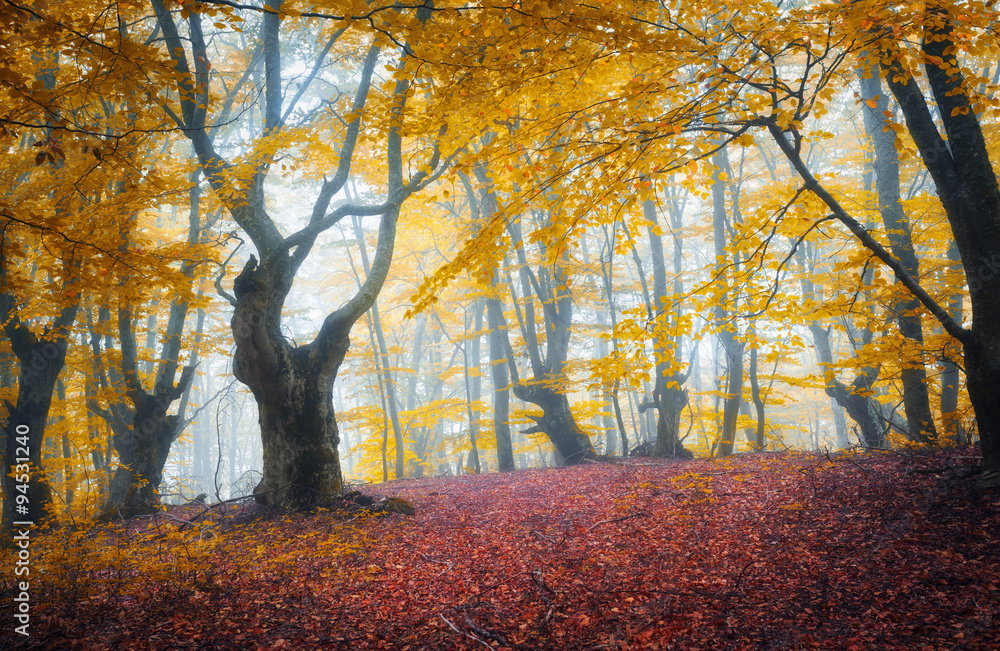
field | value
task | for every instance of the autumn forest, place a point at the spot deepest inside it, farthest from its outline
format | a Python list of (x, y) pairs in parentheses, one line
[(518, 325)]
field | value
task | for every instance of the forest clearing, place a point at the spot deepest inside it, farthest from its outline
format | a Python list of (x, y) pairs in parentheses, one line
[(762, 551)]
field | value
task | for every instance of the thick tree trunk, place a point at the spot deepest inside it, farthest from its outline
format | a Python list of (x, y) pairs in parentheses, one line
[(41, 361), (293, 390), (142, 452), (572, 444), (967, 186), (292, 385)]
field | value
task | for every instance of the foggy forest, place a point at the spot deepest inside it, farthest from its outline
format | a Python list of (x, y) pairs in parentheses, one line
[(632, 324)]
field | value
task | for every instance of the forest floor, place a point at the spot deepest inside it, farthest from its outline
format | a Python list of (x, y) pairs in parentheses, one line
[(881, 550)]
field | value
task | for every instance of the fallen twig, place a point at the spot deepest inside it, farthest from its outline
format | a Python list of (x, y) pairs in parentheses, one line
[(639, 514), (468, 635), (485, 632)]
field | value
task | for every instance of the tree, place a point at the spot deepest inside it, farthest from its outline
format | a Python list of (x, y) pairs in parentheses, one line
[(69, 191), (292, 384), (546, 387), (668, 395), (886, 164), (969, 193)]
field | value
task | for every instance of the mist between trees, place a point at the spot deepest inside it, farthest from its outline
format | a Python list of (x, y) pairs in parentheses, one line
[(276, 250)]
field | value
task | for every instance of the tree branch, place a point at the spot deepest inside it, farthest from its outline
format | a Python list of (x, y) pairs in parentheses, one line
[(810, 182)]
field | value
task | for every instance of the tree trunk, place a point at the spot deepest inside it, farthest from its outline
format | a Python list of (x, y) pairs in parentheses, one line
[(916, 399), (292, 385), (728, 333), (967, 186), (41, 361), (757, 442), (668, 397), (857, 400), (482, 211), (390, 383), (293, 389), (572, 445), (951, 378), (142, 452), (473, 384), (839, 424), (498, 371)]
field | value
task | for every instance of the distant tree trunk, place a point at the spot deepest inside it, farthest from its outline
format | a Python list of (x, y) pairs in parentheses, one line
[(572, 444), (728, 333), (498, 371), (668, 397), (416, 355), (380, 382), (483, 210), (610, 433), (473, 383), (916, 399), (839, 424), (951, 378), (757, 442), (856, 399), (383, 351), (607, 274), (620, 421)]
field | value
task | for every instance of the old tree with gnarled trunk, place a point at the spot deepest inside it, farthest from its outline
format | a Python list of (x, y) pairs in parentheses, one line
[(292, 384)]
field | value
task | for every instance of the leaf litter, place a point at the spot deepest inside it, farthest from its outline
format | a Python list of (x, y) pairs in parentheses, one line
[(877, 550)]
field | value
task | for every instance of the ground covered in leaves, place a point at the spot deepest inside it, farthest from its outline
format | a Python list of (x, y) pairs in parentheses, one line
[(856, 551)]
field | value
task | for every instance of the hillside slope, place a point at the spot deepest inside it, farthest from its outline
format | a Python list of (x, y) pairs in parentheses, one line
[(859, 551)]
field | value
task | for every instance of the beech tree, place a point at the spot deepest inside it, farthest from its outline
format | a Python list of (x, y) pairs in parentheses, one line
[(71, 186), (292, 384)]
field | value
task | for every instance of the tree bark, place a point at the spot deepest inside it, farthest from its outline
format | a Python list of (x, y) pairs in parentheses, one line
[(292, 384), (913, 374), (41, 360), (728, 332), (668, 396)]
